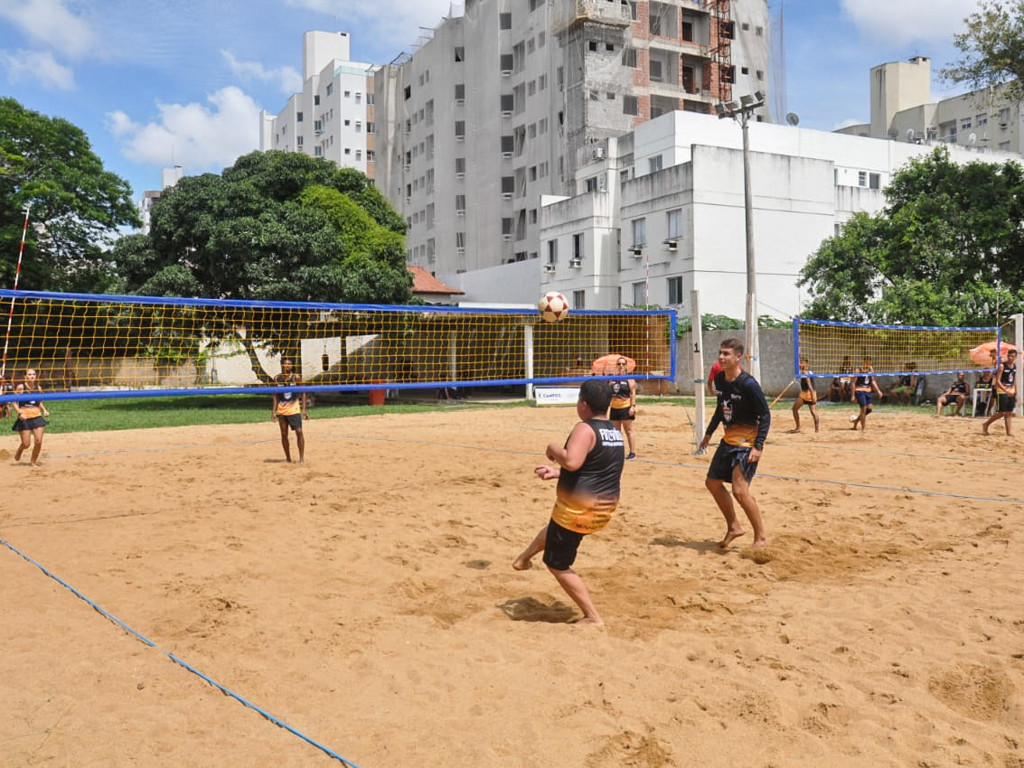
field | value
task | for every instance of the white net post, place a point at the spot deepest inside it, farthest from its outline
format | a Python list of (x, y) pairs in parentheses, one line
[(697, 334)]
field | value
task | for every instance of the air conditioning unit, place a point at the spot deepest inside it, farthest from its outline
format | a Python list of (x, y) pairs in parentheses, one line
[(506, 113), (598, 153), (506, 73), (460, 212), (576, 263), (506, 195), (506, 155), (549, 267), (673, 244), (506, 237), (636, 250)]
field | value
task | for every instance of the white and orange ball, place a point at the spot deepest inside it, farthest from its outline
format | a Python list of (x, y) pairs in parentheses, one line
[(553, 307)]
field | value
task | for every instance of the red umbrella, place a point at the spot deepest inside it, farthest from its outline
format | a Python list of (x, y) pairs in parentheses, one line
[(607, 365), (983, 353)]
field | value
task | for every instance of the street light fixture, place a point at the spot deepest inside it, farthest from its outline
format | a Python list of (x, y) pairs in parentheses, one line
[(741, 111)]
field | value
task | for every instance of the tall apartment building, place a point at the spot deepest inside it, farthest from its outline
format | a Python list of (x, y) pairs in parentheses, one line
[(333, 116), (503, 103)]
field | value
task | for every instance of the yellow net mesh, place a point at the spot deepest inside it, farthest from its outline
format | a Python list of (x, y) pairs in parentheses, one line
[(840, 348), (123, 344)]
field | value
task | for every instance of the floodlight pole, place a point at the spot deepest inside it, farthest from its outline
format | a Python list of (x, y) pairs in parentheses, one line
[(741, 112)]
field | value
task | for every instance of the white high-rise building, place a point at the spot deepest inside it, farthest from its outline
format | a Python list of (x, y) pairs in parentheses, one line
[(333, 116), (506, 99)]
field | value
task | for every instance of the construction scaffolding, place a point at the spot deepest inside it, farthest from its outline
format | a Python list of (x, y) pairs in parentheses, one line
[(720, 77)]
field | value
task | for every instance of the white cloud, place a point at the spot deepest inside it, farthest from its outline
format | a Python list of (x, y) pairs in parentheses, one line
[(37, 66), (50, 23), (396, 21), (199, 137), (287, 79), (907, 21)]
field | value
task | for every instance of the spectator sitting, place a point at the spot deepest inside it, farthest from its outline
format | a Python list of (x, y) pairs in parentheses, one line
[(957, 393)]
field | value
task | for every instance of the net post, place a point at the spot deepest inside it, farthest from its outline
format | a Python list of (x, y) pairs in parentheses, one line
[(697, 336), (796, 347), (1018, 336), (528, 354)]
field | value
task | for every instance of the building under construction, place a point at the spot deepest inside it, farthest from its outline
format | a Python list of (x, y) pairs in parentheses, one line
[(505, 100)]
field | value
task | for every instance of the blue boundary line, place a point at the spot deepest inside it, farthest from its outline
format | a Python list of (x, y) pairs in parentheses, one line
[(137, 635)]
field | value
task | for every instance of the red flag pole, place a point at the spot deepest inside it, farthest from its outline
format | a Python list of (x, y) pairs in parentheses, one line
[(10, 314)]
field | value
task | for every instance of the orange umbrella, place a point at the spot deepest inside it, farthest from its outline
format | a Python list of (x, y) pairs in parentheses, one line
[(982, 354), (606, 365)]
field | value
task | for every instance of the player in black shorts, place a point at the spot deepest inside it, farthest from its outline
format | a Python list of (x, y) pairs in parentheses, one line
[(1006, 390), (588, 469), (745, 413), (957, 393)]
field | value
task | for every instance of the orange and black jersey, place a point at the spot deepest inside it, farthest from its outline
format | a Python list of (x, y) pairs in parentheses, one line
[(743, 409)]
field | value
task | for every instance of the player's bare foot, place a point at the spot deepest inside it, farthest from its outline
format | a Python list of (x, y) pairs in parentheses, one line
[(17, 453), (794, 431), (730, 537), (760, 544), (522, 564), (589, 622), (984, 431)]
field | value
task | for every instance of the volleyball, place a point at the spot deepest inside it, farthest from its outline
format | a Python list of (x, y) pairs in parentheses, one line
[(553, 307)]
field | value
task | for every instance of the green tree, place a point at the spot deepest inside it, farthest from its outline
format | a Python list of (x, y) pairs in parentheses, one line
[(276, 226), (48, 163), (947, 249), (992, 49)]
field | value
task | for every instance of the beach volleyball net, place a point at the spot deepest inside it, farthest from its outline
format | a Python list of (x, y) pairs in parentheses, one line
[(834, 349), (87, 346)]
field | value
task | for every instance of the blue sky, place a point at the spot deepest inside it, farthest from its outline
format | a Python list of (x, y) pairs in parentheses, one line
[(155, 83)]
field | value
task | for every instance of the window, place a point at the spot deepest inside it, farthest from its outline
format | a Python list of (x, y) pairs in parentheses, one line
[(577, 246), (371, 127), (579, 299), (359, 97), (592, 45), (359, 154), (656, 71), (591, 184), (460, 92), (460, 203), (981, 120), (552, 251), (316, 100), (874, 181), (298, 117), (1004, 116), (674, 224), (460, 166), (460, 54), (460, 240), (862, 178), (540, 40), (460, 130), (654, 164), (675, 290), (965, 123), (508, 185), (639, 294), (371, 156), (505, 21), (407, 92), (369, 100), (330, 88), (630, 105), (639, 232), (298, 141)]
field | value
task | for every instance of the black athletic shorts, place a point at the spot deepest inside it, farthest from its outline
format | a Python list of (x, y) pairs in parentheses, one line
[(560, 547), (27, 425), (1006, 404), (294, 421), (621, 414), (728, 456)]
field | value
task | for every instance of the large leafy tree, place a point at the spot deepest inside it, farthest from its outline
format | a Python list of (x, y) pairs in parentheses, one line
[(947, 249), (992, 49), (276, 226), (48, 163)]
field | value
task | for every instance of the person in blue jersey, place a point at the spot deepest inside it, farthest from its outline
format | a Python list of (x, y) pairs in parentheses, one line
[(288, 409), (31, 419), (588, 469), (864, 389), (1005, 385), (743, 410), (623, 411), (808, 395)]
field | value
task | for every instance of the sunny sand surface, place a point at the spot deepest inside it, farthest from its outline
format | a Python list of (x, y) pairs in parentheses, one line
[(367, 600)]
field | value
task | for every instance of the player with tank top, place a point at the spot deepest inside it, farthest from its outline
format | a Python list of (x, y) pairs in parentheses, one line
[(1005, 384), (32, 415)]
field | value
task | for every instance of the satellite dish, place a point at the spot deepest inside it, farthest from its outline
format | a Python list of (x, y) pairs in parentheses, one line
[(972, 139), (792, 118), (910, 134)]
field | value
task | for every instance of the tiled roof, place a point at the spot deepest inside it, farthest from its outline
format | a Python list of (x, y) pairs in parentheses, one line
[(424, 282)]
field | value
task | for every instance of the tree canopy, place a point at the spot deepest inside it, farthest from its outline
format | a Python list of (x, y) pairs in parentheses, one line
[(48, 163), (992, 49), (947, 249), (274, 226)]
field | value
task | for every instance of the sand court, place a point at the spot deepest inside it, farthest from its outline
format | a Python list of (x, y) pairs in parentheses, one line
[(367, 601)]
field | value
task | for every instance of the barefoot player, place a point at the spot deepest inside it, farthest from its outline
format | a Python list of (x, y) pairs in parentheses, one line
[(745, 413), (589, 467)]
